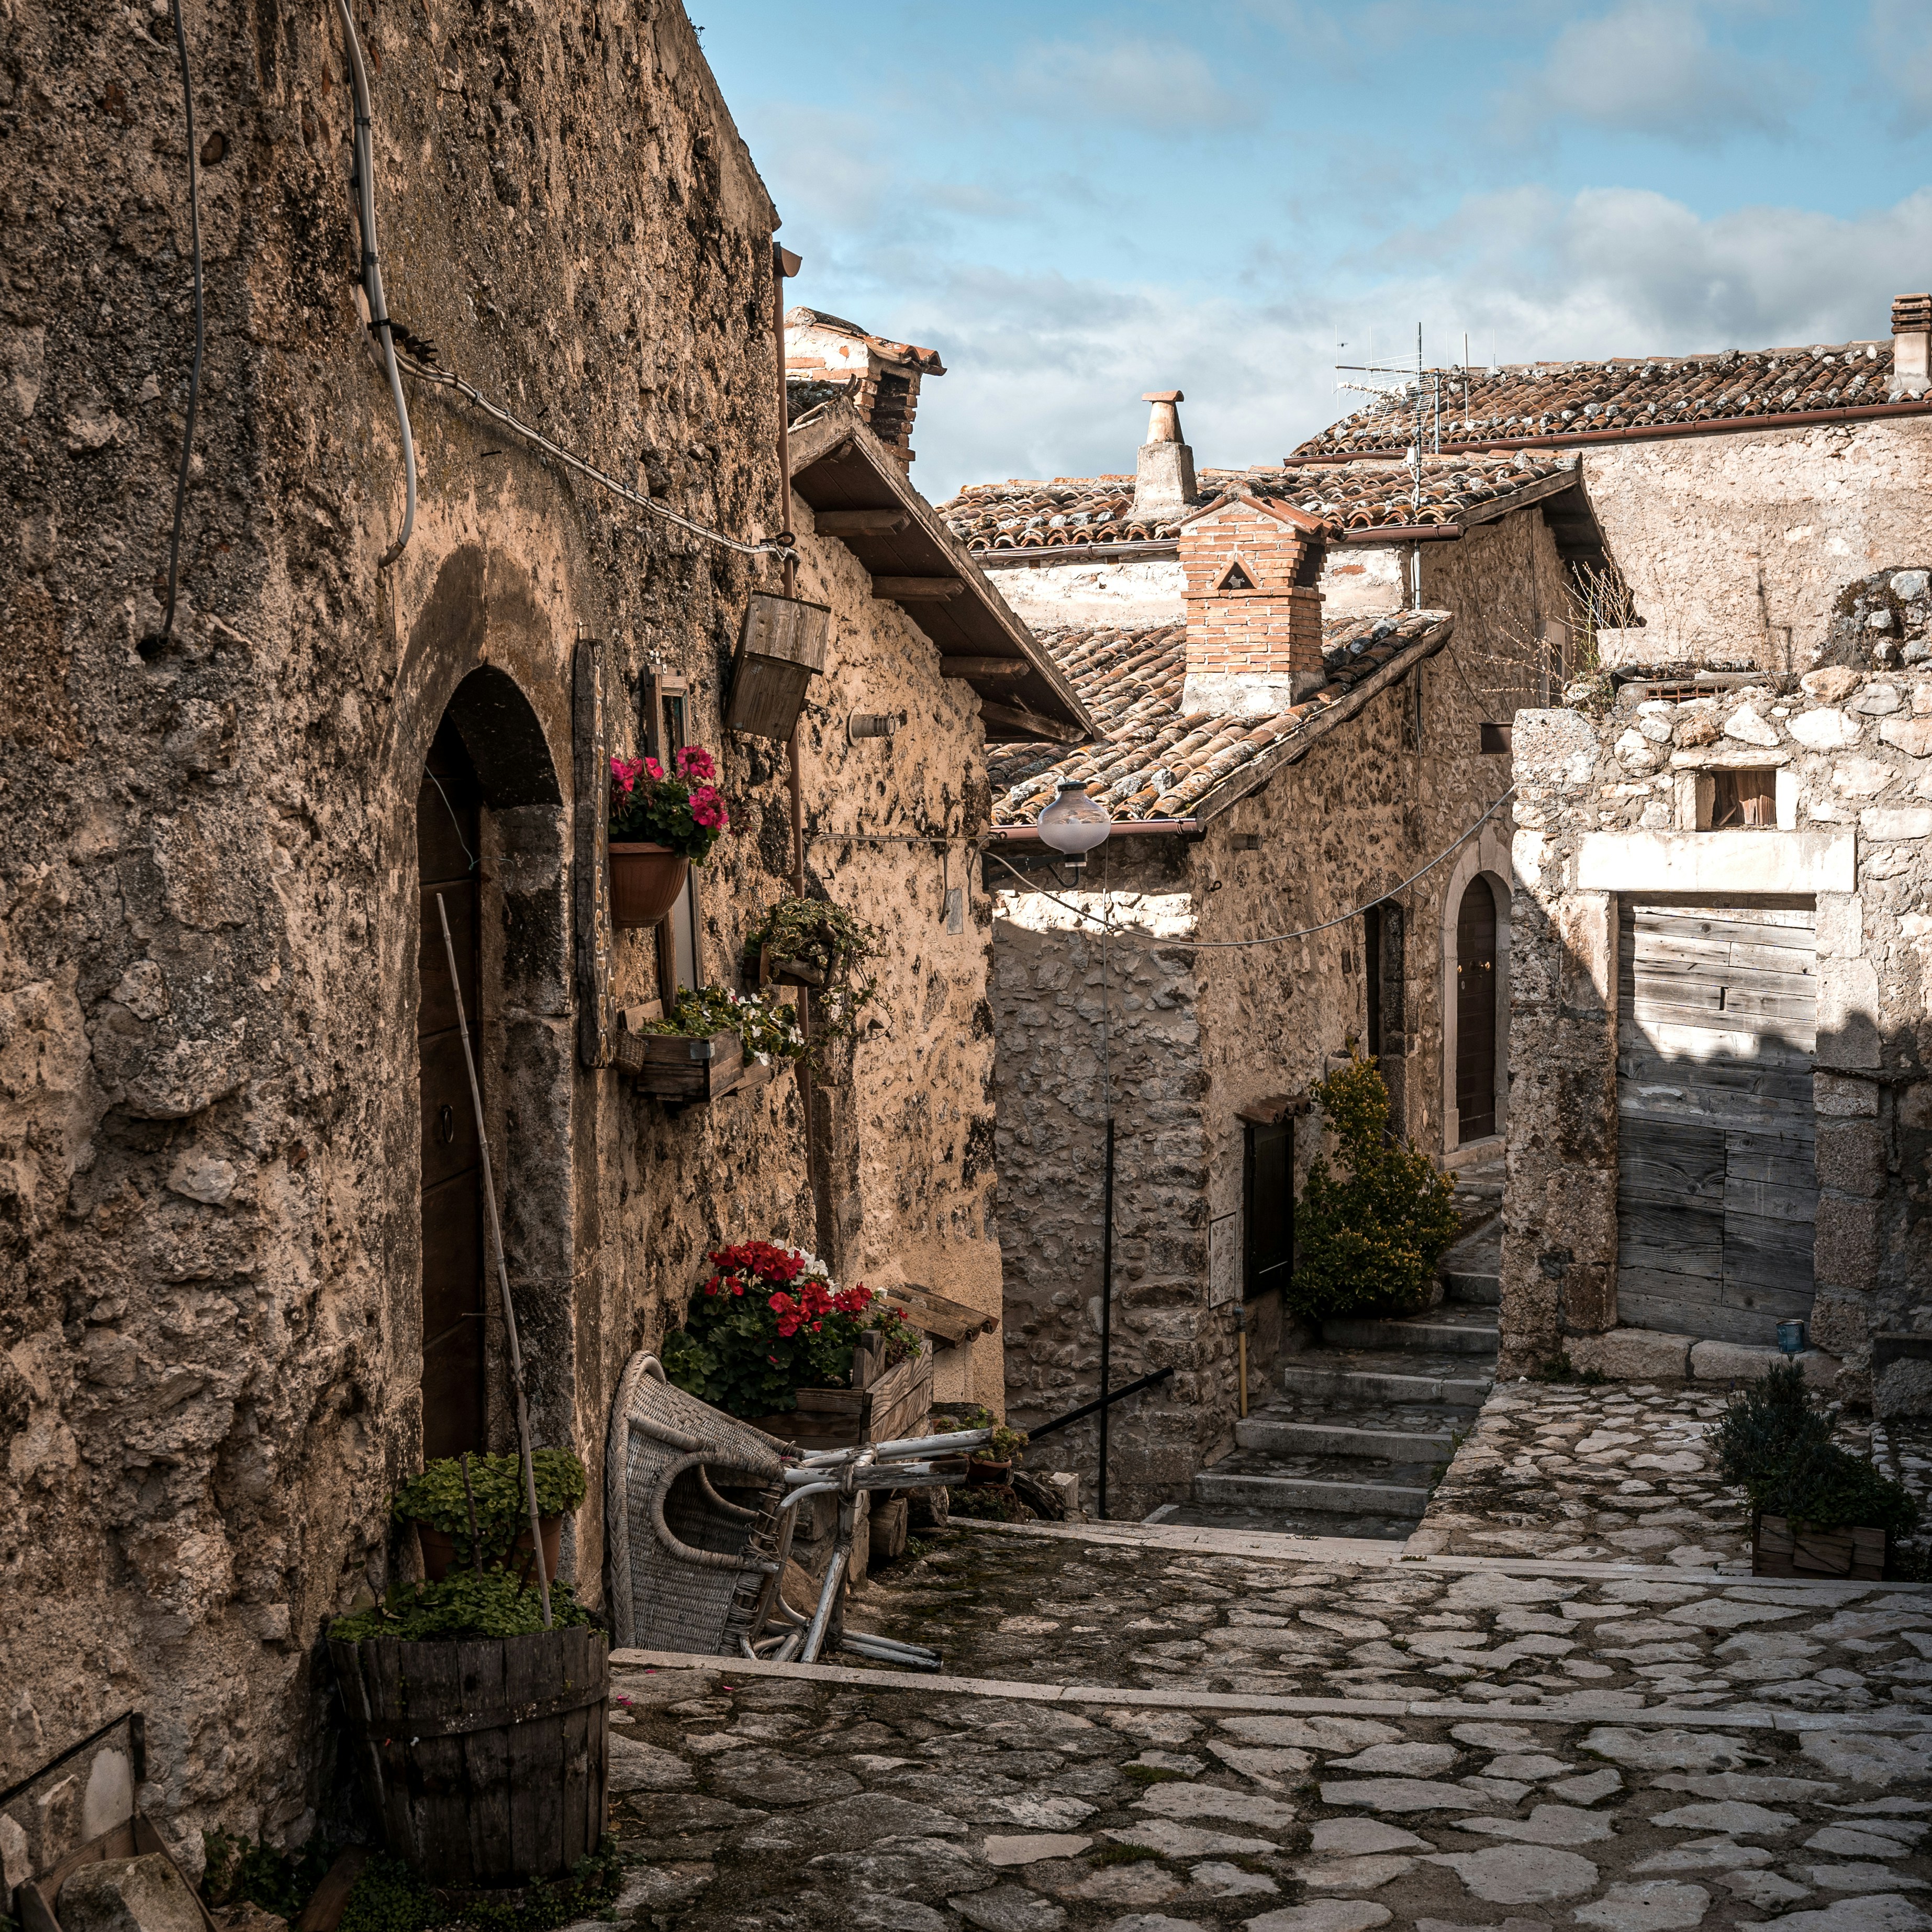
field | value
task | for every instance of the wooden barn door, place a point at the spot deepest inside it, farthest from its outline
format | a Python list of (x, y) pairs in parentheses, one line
[(1716, 1187), (448, 814), (1476, 1014)]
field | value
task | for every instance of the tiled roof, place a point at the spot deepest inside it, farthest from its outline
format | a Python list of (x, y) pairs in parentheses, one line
[(1156, 762), (1557, 399), (1075, 510)]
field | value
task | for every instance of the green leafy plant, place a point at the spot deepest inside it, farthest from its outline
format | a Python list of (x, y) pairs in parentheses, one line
[(463, 1605), (1774, 1442), (436, 1498), (391, 1897), (237, 1870), (770, 1321), (1008, 1445), (680, 808), (1368, 1240), (768, 1025), (826, 947)]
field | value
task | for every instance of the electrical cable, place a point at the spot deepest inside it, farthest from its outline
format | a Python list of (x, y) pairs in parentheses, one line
[(1273, 938), (362, 177), (448, 379), (200, 326)]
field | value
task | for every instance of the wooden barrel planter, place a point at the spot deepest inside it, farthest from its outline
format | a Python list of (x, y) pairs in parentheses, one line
[(488, 1759)]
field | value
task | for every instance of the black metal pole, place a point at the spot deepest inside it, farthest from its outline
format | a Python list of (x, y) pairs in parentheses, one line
[(1106, 1311)]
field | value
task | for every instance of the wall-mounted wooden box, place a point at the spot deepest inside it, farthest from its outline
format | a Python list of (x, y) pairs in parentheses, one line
[(780, 650)]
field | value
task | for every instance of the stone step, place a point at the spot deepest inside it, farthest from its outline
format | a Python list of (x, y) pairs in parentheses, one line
[(1214, 1489), (1472, 1270), (1279, 1522), (1469, 1290), (1457, 1330), (1273, 1437), (1370, 1375)]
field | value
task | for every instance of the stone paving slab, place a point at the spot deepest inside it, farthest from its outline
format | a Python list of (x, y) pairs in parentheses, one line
[(1134, 1611), (1562, 1469), (752, 1798)]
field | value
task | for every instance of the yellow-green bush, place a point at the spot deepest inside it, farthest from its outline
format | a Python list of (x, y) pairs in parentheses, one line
[(1367, 1241)]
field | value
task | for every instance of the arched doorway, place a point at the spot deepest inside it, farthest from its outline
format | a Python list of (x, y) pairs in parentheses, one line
[(455, 1331), (1476, 1012)]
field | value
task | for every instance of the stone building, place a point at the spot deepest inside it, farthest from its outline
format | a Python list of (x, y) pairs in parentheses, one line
[(238, 1188), (1300, 673), (1721, 1112), (1741, 491)]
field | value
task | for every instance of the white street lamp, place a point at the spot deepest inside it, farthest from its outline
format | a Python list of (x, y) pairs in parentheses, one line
[(1075, 823)]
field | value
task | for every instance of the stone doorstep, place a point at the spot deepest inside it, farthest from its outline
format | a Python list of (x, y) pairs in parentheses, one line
[(1365, 1498), (1453, 1392), (1384, 1445), (1444, 1338), (1277, 1548), (1657, 1355), (1742, 1717)]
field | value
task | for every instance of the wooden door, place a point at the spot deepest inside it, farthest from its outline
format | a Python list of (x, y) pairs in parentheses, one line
[(1476, 1013), (448, 814), (1267, 1207), (1716, 1185)]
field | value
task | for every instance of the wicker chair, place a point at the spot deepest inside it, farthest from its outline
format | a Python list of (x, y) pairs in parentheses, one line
[(690, 1570)]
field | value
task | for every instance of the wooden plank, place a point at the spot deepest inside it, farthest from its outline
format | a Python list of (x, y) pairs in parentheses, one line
[(1778, 1201), (1796, 1030), (933, 1314), (330, 1899), (1753, 1265), (1638, 1308), (1747, 922), (1777, 1072), (536, 1801), (486, 1754), (1669, 1163), (441, 1796)]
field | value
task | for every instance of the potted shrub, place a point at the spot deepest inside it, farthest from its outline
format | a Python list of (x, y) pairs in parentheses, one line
[(768, 1333), (812, 944), (1816, 1509), (660, 824), (440, 1505), (995, 1463), (483, 1738), (1367, 1242)]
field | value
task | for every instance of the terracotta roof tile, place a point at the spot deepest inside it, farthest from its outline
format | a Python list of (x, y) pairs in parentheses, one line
[(1154, 762), (1075, 511), (1557, 399)]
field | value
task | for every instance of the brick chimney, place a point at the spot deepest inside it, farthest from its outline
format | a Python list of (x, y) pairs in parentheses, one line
[(1911, 348), (1254, 606), (1164, 486), (824, 354)]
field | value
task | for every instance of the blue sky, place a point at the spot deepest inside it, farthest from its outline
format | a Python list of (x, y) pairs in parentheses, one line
[(1075, 204)]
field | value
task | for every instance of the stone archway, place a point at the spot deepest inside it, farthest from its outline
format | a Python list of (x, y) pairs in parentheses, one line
[(1485, 860)]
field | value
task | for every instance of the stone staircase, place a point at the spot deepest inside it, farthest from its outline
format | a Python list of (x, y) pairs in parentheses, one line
[(1364, 1422)]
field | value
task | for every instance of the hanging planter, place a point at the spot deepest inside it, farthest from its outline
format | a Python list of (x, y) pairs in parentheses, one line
[(661, 824), (645, 882)]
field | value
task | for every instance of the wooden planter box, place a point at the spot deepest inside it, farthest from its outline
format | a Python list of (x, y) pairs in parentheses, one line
[(780, 651), (38, 1900), (895, 1406), (676, 1066), (1782, 1548), (488, 1760)]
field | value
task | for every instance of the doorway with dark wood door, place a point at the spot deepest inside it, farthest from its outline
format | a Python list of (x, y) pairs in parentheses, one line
[(1476, 1013), (449, 834)]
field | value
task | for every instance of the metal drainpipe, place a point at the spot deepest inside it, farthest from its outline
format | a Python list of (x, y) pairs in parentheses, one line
[(1106, 1311)]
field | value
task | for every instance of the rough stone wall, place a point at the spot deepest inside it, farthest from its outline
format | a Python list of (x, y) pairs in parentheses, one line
[(1727, 541), (209, 1113), (1611, 803)]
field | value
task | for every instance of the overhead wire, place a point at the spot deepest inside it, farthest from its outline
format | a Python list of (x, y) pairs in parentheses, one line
[(448, 379), (200, 326), (1273, 938), (363, 177)]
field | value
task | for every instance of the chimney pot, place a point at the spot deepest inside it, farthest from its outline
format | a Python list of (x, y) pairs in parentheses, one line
[(1164, 485), (1911, 348)]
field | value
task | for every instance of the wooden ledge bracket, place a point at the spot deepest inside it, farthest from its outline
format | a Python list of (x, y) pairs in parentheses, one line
[(947, 1321), (986, 669), (1276, 1107), (1016, 718), (860, 523), (916, 589)]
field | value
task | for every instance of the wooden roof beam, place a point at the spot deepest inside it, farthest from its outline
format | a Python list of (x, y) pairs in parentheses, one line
[(990, 670), (860, 523), (916, 590)]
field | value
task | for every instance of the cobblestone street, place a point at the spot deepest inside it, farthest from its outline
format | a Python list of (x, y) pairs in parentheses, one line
[(1142, 1735)]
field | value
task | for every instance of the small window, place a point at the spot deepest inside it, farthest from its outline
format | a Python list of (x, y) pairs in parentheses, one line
[(1743, 799), (1236, 576), (1496, 738), (1268, 1204)]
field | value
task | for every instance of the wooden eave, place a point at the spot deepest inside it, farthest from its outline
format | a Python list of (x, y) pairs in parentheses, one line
[(837, 463)]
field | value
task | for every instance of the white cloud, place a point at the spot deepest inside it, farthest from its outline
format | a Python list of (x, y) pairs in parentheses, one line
[(1046, 372), (1156, 87), (1649, 66), (1899, 35)]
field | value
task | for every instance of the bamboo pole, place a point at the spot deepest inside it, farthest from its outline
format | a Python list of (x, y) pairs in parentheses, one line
[(503, 1272)]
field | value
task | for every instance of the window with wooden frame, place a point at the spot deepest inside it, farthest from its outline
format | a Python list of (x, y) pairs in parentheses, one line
[(667, 731), (1742, 798)]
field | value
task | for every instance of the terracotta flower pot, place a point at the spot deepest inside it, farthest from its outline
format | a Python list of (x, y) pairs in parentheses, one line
[(982, 1469), (645, 882), (439, 1559)]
